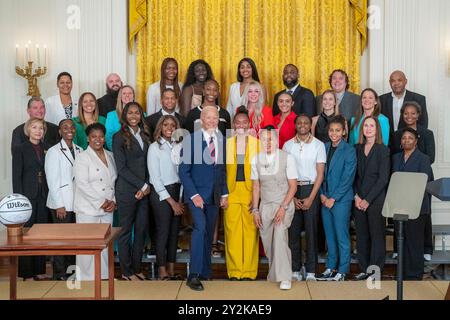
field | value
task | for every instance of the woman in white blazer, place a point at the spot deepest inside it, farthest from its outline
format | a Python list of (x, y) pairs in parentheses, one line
[(59, 172), (94, 201), (63, 105)]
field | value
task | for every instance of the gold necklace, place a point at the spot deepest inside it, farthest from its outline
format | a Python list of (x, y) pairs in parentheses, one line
[(302, 143)]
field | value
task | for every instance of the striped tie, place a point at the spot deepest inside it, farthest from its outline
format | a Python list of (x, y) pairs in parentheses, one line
[(212, 149)]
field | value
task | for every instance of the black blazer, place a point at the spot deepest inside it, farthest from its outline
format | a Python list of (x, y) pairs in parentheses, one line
[(372, 173), (386, 108), (426, 142), (106, 104), (304, 102), (28, 169), (153, 119), (131, 165), (417, 162), (51, 136)]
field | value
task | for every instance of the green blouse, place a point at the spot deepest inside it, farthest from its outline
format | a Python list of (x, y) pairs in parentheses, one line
[(80, 138)]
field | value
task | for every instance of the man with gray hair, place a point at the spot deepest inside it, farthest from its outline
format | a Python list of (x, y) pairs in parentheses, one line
[(35, 109), (203, 176), (108, 102)]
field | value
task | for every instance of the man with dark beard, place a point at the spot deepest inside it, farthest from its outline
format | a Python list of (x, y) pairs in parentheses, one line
[(108, 102), (304, 101)]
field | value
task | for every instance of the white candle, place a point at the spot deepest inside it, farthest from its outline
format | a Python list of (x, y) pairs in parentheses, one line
[(45, 55), (17, 55), (30, 52), (26, 55), (38, 56)]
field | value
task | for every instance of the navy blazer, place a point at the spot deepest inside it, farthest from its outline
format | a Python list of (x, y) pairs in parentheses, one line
[(339, 177), (198, 174), (426, 142), (304, 102), (417, 162)]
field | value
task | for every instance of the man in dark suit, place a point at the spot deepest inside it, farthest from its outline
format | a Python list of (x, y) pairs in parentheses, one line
[(304, 102), (168, 105), (348, 102), (35, 109), (203, 176), (392, 102), (108, 102)]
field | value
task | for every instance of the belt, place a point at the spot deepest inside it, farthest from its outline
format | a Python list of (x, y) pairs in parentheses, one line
[(305, 183)]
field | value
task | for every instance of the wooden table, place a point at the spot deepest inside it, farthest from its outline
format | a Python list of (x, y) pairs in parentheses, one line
[(15, 247)]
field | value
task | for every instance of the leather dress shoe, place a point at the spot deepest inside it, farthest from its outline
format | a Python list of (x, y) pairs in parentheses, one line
[(195, 284)]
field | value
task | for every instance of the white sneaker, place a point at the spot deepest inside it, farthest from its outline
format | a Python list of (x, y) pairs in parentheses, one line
[(394, 255), (311, 276), (338, 277), (285, 285), (297, 276), (427, 257)]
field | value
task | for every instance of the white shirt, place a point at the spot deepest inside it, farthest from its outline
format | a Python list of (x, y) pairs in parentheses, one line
[(339, 97), (396, 107), (207, 137), (293, 88), (272, 165), (162, 170), (306, 160), (138, 137), (54, 110), (154, 97), (234, 98), (165, 113)]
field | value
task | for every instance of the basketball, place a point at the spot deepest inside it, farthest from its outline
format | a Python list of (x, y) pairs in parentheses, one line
[(15, 209)]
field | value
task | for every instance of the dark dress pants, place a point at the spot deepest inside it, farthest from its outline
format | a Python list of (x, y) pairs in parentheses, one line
[(34, 265), (304, 220), (135, 213), (167, 225), (370, 237), (61, 263)]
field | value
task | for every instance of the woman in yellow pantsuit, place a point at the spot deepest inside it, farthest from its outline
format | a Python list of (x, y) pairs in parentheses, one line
[(241, 234)]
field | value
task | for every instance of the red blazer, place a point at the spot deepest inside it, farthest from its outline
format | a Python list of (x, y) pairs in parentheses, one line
[(267, 119), (287, 130)]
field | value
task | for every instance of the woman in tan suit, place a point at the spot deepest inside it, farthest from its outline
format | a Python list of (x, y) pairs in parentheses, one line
[(274, 177)]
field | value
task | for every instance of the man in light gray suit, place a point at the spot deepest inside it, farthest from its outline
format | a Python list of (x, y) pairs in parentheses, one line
[(348, 102)]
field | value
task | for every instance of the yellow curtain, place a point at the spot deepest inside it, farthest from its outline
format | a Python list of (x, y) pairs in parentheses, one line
[(316, 35), (190, 30), (137, 18)]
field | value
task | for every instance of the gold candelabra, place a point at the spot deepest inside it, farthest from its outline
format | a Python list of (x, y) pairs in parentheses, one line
[(32, 77), (27, 72)]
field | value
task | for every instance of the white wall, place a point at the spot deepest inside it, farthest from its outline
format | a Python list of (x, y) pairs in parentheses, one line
[(89, 53), (414, 36)]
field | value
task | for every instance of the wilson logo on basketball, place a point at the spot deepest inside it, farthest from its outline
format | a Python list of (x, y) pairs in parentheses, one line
[(13, 205)]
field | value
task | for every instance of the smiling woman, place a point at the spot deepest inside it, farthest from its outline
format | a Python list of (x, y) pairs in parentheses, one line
[(62, 105)]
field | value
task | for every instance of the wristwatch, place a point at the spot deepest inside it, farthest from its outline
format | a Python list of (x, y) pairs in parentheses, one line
[(255, 210), (284, 207)]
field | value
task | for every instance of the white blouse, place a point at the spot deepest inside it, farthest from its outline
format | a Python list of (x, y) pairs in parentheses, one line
[(234, 98), (54, 110)]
